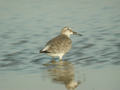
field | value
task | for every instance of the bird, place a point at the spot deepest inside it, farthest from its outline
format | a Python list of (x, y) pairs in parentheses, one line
[(61, 44)]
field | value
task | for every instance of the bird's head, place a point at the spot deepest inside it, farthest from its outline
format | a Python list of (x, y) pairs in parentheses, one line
[(68, 31)]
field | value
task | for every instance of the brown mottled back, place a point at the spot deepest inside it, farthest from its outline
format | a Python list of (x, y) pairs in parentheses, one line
[(60, 44)]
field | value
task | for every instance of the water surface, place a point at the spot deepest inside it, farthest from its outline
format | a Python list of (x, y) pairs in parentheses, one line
[(25, 27)]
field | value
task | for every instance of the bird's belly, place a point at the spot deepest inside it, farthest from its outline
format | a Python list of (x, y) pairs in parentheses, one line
[(55, 54)]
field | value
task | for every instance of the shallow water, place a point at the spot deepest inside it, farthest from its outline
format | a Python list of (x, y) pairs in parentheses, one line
[(25, 27)]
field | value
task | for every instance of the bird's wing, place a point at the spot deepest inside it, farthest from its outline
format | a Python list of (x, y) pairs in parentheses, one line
[(58, 43)]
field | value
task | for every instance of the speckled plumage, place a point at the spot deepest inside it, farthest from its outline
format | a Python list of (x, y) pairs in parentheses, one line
[(59, 45)]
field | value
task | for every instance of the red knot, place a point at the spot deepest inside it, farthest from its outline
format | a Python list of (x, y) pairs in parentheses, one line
[(61, 44)]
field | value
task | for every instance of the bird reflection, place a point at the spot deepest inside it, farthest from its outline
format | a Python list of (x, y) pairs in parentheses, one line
[(63, 72)]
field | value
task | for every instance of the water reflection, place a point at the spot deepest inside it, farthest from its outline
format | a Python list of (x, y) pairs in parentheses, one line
[(62, 72)]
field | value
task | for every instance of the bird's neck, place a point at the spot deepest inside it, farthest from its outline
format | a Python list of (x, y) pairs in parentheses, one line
[(68, 35)]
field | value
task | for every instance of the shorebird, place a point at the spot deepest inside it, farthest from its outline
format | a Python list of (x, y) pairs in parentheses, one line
[(61, 44)]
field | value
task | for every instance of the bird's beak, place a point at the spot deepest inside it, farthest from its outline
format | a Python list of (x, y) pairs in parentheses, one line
[(75, 33)]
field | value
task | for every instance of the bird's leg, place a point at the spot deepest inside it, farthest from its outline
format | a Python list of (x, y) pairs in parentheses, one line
[(60, 58)]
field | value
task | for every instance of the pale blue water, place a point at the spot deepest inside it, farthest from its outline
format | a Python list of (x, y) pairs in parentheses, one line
[(26, 25)]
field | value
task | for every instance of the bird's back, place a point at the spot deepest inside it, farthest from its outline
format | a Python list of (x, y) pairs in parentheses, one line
[(59, 44)]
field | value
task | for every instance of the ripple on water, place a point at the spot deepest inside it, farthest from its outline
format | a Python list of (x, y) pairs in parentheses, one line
[(20, 42), (13, 54), (117, 45), (39, 60), (116, 62), (8, 62), (89, 45)]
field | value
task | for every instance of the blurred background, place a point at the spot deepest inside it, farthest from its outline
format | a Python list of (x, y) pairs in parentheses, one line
[(93, 62)]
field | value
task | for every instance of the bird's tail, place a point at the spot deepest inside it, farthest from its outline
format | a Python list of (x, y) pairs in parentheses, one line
[(41, 51)]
